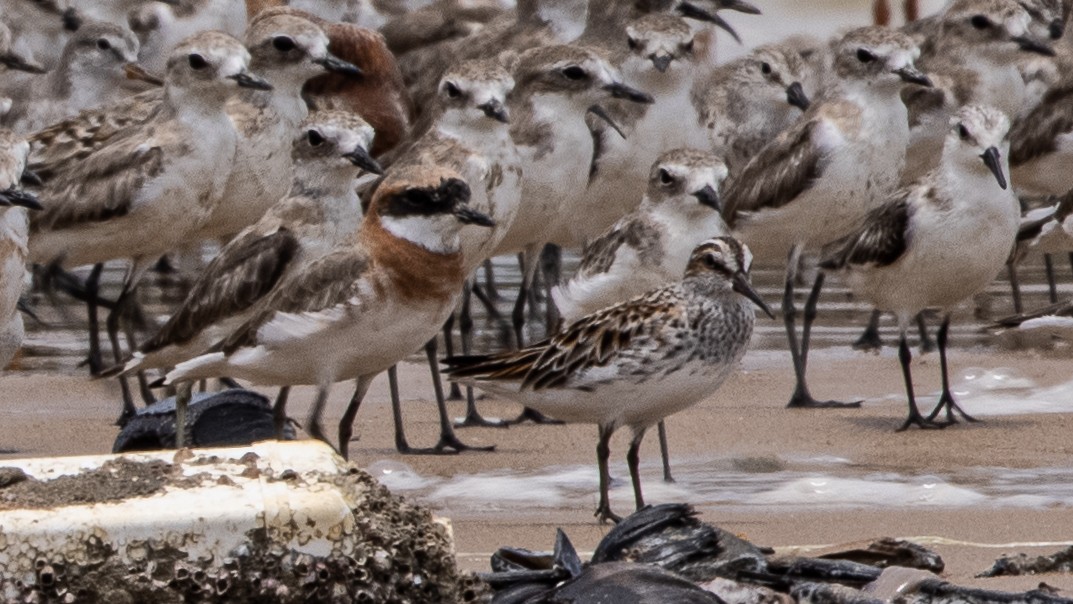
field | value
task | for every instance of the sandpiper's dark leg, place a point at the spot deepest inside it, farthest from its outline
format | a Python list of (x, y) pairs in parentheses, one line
[(279, 411), (1015, 287), (346, 424), (143, 383), (490, 281), (870, 339), (112, 323), (95, 359), (881, 12), (449, 442), (633, 458), (912, 11), (603, 453), (313, 424), (455, 393), (473, 417), (915, 418), (488, 302), (518, 315), (182, 400), (664, 452), (801, 397), (926, 343), (946, 399), (1071, 261), (1052, 286)]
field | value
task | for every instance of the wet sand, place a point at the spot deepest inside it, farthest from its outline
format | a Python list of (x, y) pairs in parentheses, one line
[(744, 427)]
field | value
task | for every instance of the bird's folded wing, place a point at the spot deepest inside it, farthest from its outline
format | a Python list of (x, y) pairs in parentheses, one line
[(881, 240), (308, 298), (246, 270), (782, 170), (100, 187), (1037, 133)]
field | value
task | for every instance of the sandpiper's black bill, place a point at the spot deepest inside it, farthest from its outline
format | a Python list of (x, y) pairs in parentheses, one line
[(622, 91), (333, 63), (692, 11), (795, 95), (467, 215), (601, 113), (1028, 44), (360, 157), (913, 75), (742, 286), (248, 80), (709, 197), (661, 62), (29, 177), (993, 160), (13, 61), (18, 197), (495, 110)]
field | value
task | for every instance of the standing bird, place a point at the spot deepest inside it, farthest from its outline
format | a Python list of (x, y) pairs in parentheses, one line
[(14, 227), (818, 179), (360, 308), (937, 241), (637, 362), (649, 247), (147, 189)]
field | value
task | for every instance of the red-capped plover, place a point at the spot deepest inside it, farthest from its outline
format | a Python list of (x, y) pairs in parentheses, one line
[(937, 241), (813, 183), (361, 308), (637, 362)]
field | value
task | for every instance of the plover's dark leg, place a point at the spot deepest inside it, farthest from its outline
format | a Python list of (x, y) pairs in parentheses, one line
[(449, 442), (473, 417), (346, 424), (490, 281), (92, 286), (401, 444), (279, 411), (1015, 287), (603, 453), (182, 400), (527, 265), (664, 451), (313, 423), (915, 418), (551, 261), (946, 399), (870, 339), (1052, 286), (112, 324), (802, 398), (455, 393), (633, 458)]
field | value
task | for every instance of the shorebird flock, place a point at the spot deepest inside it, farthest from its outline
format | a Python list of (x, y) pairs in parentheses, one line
[(332, 176)]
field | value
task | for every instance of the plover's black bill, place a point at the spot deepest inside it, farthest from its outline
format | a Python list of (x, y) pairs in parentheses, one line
[(360, 157), (795, 95), (337, 65), (1029, 45), (18, 197)]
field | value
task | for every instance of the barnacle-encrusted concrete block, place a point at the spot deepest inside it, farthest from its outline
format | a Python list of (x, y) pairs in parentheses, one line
[(273, 522)]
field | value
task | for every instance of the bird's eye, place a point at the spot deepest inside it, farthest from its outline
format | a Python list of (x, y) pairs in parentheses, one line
[(283, 43), (316, 139), (452, 90), (980, 22), (864, 56), (963, 132), (634, 44), (197, 61), (665, 176), (574, 73), (711, 261), (104, 44), (765, 68), (688, 46)]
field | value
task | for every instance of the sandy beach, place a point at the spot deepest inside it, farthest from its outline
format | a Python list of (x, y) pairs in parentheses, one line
[(794, 480)]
